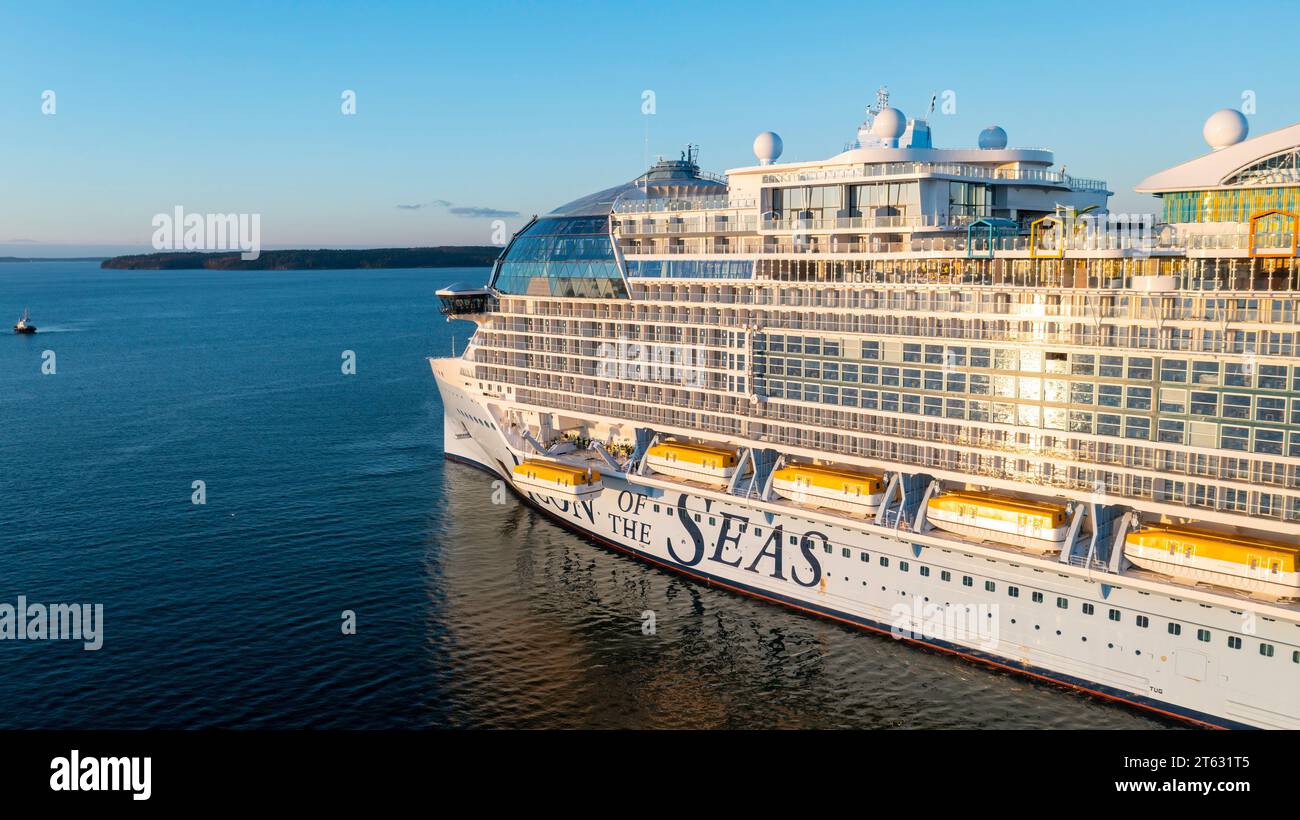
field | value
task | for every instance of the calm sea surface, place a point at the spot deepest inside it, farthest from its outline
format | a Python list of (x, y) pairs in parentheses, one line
[(328, 492)]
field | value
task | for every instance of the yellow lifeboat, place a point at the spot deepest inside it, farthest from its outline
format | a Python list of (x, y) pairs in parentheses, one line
[(838, 488), (1033, 525), (1237, 561), (557, 480), (707, 463)]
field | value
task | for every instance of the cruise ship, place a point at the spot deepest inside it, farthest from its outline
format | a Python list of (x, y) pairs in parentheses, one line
[(942, 394)]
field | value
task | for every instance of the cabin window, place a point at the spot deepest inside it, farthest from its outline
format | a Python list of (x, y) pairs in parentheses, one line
[(1113, 615), (865, 557), (712, 521), (1013, 592), (1087, 609), (967, 581), (697, 518), (945, 575), (1295, 656), (1175, 629), (758, 532), (989, 586), (925, 571), (1203, 635), (903, 566), (656, 508), (1142, 621), (1062, 603), (794, 540), (1234, 642), (1038, 597), (884, 562), (1274, 567), (1266, 649)]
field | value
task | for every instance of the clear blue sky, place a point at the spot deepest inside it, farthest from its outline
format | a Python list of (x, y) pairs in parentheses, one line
[(235, 107)]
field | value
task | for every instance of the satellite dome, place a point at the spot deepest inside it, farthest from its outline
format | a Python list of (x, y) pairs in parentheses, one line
[(767, 147), (889, 124), (1225, 127), (994, 137)]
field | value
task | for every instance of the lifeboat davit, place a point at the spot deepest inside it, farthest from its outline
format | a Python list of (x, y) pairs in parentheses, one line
[(557, 480), (1237, 561), (837, 488), (1034, 525), (707, 463)]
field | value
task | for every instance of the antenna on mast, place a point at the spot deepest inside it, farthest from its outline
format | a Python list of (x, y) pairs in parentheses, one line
[(882, 100)]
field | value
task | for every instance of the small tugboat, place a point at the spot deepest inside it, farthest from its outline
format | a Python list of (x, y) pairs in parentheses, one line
[(25, 324)]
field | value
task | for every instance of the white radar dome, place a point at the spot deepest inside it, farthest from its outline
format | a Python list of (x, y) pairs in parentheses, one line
[(767, 147), (889, 124), (994, 137), (1225, 127)]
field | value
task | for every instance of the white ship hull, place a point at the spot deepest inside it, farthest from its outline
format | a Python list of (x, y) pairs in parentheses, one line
[(813, 561)]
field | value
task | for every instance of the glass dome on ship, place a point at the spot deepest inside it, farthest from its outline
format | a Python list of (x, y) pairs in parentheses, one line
[(569, 251)]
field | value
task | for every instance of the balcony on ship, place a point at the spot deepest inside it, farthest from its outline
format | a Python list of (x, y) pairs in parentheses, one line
[(462, 301)]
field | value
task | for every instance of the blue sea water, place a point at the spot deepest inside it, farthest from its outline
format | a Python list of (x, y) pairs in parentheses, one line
[(328, 492)]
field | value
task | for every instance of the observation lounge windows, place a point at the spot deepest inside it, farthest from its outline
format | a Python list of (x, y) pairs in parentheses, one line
[(804, 202), (882, 199), (969, 199)]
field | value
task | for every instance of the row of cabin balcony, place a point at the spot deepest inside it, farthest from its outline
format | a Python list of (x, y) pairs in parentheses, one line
[(1082, 334), (720, 223), (1162, 240), (1041, 303)]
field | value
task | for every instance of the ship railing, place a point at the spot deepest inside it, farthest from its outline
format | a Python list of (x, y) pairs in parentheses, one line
[(952, 169), (745, 224), (1084, 562), (710, 202), (958, 244), (856, 223)]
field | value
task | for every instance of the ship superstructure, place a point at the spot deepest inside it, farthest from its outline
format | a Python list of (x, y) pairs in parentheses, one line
[(908, 385)]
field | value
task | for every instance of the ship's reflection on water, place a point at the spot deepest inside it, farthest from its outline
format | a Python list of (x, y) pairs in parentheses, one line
[(531, 625)]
